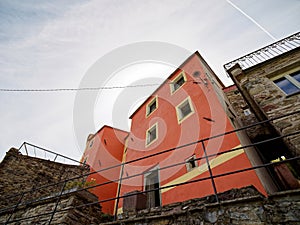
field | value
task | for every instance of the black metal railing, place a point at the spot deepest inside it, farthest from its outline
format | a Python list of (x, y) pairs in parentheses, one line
[(43, 153), (60, 194), (261, 55)]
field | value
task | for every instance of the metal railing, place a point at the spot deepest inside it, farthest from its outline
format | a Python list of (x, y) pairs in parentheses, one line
[(261, 55), (62, 184), (42, 153)]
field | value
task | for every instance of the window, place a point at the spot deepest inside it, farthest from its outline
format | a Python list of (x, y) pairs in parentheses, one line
[(177, 82), (151, 135), (152, 106), (191, 163), (91, 143), (289, 84), (196, 73), (184, 109), (247, 112)]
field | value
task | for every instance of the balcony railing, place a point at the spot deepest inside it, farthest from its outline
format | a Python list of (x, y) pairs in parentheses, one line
[(42, 153), (266, 53)]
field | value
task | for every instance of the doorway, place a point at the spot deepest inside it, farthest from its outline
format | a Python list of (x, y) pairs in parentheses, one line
[(152, 183)]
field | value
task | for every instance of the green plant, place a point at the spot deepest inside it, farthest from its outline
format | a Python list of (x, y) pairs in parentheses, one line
[(79, 184)]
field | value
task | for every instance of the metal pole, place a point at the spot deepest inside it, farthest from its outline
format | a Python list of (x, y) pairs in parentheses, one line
[(25, 148), (210, 173), (57, 202), (15, 208)]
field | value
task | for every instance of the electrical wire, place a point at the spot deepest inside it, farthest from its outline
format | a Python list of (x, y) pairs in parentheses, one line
[(84, 88), (76, 89)]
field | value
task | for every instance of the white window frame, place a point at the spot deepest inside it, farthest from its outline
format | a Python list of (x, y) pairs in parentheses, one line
[(148, 132), (180, 117), (148, 106), (172, 84)]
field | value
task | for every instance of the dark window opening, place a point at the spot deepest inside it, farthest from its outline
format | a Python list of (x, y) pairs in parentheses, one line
[(151, 134), (152, 107), (184, 109), (177, 83), (191, 163), (196, 74), (152, 185), (277, 151)]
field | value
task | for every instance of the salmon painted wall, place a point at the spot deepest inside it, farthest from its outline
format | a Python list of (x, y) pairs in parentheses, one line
[(103, 150), (207, 120)]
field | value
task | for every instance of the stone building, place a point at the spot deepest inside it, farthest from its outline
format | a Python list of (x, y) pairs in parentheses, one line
[(267, 88), (32, 191)]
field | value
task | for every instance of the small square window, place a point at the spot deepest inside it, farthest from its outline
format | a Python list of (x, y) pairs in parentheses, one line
[(91, 143), (152, 106), (151, 134), (191, 163), (247, 112), (184, 109), (178, 82)]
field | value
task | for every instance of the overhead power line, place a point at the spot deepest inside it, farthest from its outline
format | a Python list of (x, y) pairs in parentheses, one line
[(76, 89), (84, 88)]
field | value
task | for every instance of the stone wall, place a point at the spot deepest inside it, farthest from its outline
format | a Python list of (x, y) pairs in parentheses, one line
[(267, 100), (21, 195), (21, 173), (40, 213), (238, 206), (242, 114)]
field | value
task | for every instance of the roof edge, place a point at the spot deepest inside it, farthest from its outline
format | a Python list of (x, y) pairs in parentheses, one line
[(165, 81), (90, 136)]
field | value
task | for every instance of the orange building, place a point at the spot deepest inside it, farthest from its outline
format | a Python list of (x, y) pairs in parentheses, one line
[(186, 108), (103, 150)]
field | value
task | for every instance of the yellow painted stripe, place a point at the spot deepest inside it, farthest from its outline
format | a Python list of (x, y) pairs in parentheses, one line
[(119, 182), (203, 168)]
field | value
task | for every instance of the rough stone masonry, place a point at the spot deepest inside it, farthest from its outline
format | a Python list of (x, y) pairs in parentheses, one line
[(24, 174)]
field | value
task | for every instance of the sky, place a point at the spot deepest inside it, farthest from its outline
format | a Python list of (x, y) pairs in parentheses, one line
[(57, 43)]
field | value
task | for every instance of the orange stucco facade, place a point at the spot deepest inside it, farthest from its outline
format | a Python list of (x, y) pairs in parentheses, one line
[(103, 150), (185, 109), (205, 118)]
